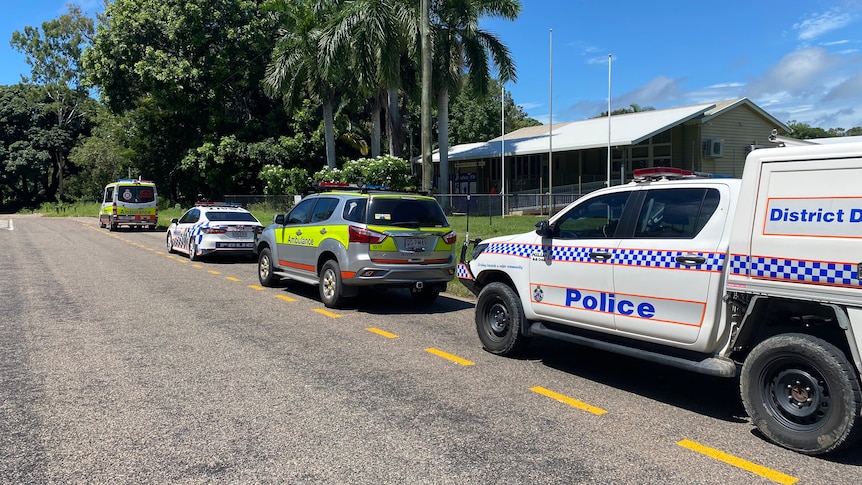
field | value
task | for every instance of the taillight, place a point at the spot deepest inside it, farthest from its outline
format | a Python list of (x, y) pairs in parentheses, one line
[(450, 237), (364, 236), (213, 230)]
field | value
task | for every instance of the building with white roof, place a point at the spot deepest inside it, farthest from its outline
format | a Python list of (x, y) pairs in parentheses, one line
[(711, 137)]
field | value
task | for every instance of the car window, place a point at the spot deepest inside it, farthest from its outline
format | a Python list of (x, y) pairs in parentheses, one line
[(596, 218), (406, 212), (233, 216), (354, 210), (300, 214), (190, 217), (109, 194), (323, 209), (676, 213), (137, 194)]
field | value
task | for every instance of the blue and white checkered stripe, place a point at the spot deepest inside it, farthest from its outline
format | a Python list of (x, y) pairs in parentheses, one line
[(651, 258), (796, 270), (645, 258), (463, 273)]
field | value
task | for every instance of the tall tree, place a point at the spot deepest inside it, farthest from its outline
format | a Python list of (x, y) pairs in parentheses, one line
[(461, 46), (374, 36), (298, 67), (54, 56), (191, 72)]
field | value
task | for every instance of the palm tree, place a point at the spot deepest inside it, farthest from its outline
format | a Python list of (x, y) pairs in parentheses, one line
[(460, 45), (374, 34), (298, 67)]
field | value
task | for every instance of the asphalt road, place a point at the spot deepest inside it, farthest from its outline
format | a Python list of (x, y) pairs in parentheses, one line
[(120, 363)]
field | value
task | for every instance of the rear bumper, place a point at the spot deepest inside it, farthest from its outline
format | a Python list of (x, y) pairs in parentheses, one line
[(391, 276)]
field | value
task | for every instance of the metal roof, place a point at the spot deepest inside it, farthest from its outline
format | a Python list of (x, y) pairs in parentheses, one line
[(625, 129)]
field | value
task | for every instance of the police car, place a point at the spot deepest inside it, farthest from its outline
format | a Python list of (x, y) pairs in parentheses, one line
[(209, 228), (343, 239)]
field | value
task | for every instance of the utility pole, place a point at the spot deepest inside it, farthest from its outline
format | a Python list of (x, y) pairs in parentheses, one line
[(427, 165)]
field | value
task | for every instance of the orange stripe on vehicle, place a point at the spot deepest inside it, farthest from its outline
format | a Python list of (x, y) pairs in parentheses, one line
[(304, 267)]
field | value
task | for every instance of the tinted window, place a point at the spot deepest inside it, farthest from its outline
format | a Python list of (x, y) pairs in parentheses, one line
[(190, 217), (324, 209), (301, 213), (136, 194), (109, 194), (676, 213), (406, 212), (230, 216), (354, 210), (596, 218)]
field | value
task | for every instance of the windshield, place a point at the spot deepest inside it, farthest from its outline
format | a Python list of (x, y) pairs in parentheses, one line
[(136, 194), (405, 212), (223, 216)]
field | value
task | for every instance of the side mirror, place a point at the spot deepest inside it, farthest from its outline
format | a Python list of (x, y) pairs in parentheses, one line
[(278, 219), (544, 229), (175, 220)]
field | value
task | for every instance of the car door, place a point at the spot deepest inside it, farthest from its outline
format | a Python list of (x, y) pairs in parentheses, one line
[(670, 265), (293, 243), (183, 231), (571, 271)]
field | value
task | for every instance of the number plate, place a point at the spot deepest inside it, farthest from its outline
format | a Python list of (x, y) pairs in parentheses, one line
[(415, 244), (238, 234)]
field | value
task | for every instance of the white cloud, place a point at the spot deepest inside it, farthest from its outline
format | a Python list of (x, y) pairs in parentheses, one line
[(820, 24), (798, 73)]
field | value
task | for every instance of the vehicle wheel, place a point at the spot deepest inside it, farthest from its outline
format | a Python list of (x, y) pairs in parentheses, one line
[(499, 319), (265, 268), (331, 287), (193, 251), (169, 244), (112, 226), (802, 393), (426, 295)]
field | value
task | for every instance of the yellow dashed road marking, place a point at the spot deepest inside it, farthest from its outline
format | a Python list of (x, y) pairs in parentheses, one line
[(448, 356), (567, 400), (198, 266), (231, 278), (255, 287), (762, 471), (285, 298), (212, 271), (381, 332), (327, 313)]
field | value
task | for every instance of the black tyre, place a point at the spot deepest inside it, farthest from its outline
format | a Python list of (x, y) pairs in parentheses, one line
[(802, 393), (169, 244), (426, 295), (112, 225), (265, 268), (499, 320), (331, 288)]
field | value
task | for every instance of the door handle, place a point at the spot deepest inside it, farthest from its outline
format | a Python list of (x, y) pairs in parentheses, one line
[(323, 230), (600, 256), (690, 260), (299, 232)]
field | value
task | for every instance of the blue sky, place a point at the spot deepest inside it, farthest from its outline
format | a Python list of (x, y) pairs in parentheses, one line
[(799, 60)]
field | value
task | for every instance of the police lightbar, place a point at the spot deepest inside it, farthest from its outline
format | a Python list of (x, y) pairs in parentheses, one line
[(669, 173), (134, 181)]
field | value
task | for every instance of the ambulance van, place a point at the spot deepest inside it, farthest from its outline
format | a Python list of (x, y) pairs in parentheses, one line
[(129, 202)]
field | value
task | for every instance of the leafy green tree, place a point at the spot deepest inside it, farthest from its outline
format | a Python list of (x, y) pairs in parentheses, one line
[(103, 156), (477, 118), (189, 72), (54, 55), (387, 171), (374, 37), (632, 108), (804, 131), (298, 68), (461, 46), (284, 181)]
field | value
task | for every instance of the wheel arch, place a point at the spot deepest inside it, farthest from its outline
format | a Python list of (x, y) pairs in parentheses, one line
[(767, 317)]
